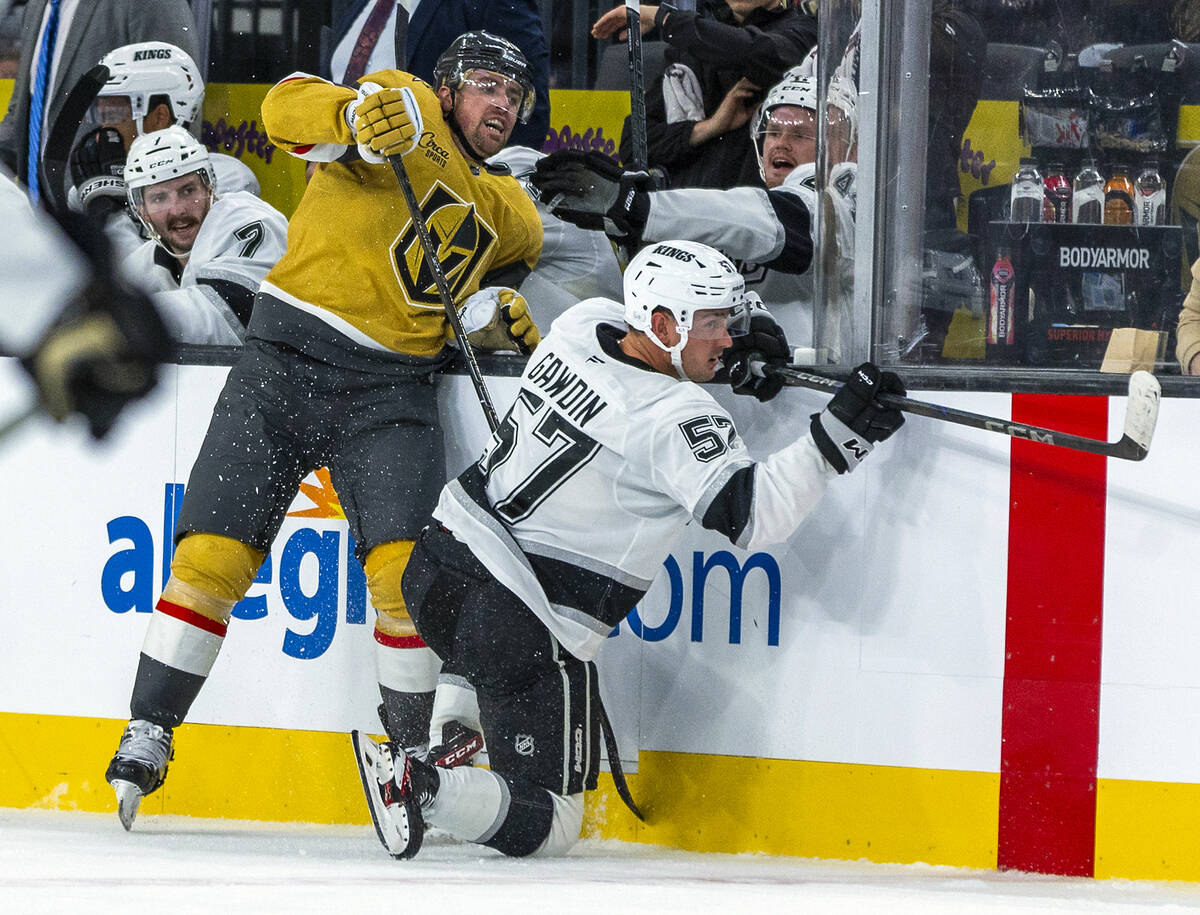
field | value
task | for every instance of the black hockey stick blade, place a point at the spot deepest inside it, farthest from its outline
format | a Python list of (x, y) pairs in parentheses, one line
[(62, 135), (443, 287), (1141, 414)]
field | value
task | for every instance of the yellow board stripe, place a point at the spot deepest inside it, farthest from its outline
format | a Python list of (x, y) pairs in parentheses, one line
[(58, 762), (1144, 830), (807, 809), (1147, 830)]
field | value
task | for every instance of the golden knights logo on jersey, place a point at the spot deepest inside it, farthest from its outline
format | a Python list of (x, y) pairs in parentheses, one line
[(462, 239)]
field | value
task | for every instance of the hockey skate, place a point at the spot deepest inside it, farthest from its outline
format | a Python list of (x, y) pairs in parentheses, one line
[(139, 766), (393, 794)]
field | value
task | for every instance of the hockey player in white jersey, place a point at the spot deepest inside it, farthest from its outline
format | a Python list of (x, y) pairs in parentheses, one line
[(769, 233), (574, 264), (90, 344), (208, 252), (517, 588), (151, 85)]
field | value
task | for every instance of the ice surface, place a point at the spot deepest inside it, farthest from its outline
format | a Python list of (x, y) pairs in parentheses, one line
[(65, 862)]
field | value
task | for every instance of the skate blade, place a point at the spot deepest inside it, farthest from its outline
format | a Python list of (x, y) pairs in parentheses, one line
[(129, 798), (392, 825)]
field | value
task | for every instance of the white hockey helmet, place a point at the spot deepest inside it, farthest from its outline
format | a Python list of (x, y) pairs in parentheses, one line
[(798, 89), (148, 68), (160, 156), (682, 277)]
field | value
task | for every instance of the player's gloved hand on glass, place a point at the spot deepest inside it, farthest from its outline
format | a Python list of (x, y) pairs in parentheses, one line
[(854, 420), (498, 318), (384, 122), (98, 169), (592, 191), (764, 341)]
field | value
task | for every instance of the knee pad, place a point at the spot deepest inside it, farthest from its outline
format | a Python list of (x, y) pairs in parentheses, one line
[(565, 827), (385, 567), (211, 573)]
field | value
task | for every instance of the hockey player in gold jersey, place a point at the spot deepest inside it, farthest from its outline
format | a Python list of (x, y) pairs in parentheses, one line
[(339, 370)]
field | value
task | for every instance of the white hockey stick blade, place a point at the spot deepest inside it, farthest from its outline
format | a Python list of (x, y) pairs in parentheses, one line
[(1141, 413)]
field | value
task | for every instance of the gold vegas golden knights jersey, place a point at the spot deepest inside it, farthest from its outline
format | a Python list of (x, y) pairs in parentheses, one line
[(353, 259)]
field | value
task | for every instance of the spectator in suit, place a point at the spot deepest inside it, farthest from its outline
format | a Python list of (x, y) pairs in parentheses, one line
[(60, 41), (363, 37)]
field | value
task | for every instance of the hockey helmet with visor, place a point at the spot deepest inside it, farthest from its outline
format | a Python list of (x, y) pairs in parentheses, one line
[(142, 71), (684, 278), (159, 157), (481, 50)]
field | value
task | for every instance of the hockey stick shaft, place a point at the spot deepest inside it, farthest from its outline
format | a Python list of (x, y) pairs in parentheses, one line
[(1141, 414), (62, 135), (443, 287), (637, 88)]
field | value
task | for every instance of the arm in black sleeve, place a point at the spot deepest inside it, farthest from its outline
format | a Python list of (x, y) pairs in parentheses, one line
[(793, 215), (763, 53), (668, 145), (730, 510)]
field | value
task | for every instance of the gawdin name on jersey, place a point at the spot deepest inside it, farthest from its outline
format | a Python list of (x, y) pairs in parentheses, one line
[(1110, 258), (568, 391)]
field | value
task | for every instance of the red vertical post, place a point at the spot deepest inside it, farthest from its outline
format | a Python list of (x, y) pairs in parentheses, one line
[(1050, 726)]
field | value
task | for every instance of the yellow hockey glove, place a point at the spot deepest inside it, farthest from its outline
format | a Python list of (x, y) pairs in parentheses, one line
[(385, 122), (498, 318)]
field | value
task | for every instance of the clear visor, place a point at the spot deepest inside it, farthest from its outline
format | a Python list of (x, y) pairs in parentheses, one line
[(714, 323), (790, 129), (159, 200), (501, 91), (109, 110)]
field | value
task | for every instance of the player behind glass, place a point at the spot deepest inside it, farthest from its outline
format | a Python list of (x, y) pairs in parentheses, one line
[(208, 252), (151, 85), (769, 233), (339, 370), (517, 588)]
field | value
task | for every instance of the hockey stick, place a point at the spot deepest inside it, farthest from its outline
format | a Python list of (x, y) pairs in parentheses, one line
[(435, 267), (1141, 414), (637, 88), (62, 135)]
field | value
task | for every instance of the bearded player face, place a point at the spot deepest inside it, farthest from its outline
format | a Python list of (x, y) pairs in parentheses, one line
[(485, 107)]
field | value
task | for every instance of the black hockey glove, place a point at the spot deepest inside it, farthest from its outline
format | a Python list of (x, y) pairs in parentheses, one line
[(103, 352), (592, 191), (763, 342), (98, 171), (854, 420)]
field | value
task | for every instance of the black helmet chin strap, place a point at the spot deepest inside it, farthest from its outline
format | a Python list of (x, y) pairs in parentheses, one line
[(458, 131)]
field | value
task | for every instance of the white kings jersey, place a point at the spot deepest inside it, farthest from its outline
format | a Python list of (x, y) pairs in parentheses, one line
[(771, 238), (209, 299), (597, 468), (575, 263)]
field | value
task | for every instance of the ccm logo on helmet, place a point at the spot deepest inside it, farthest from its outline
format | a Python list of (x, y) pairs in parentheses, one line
[(152, 54), (676, 253)]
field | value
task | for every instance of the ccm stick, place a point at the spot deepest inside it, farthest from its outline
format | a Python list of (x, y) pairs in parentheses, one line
[(1141, 414)]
